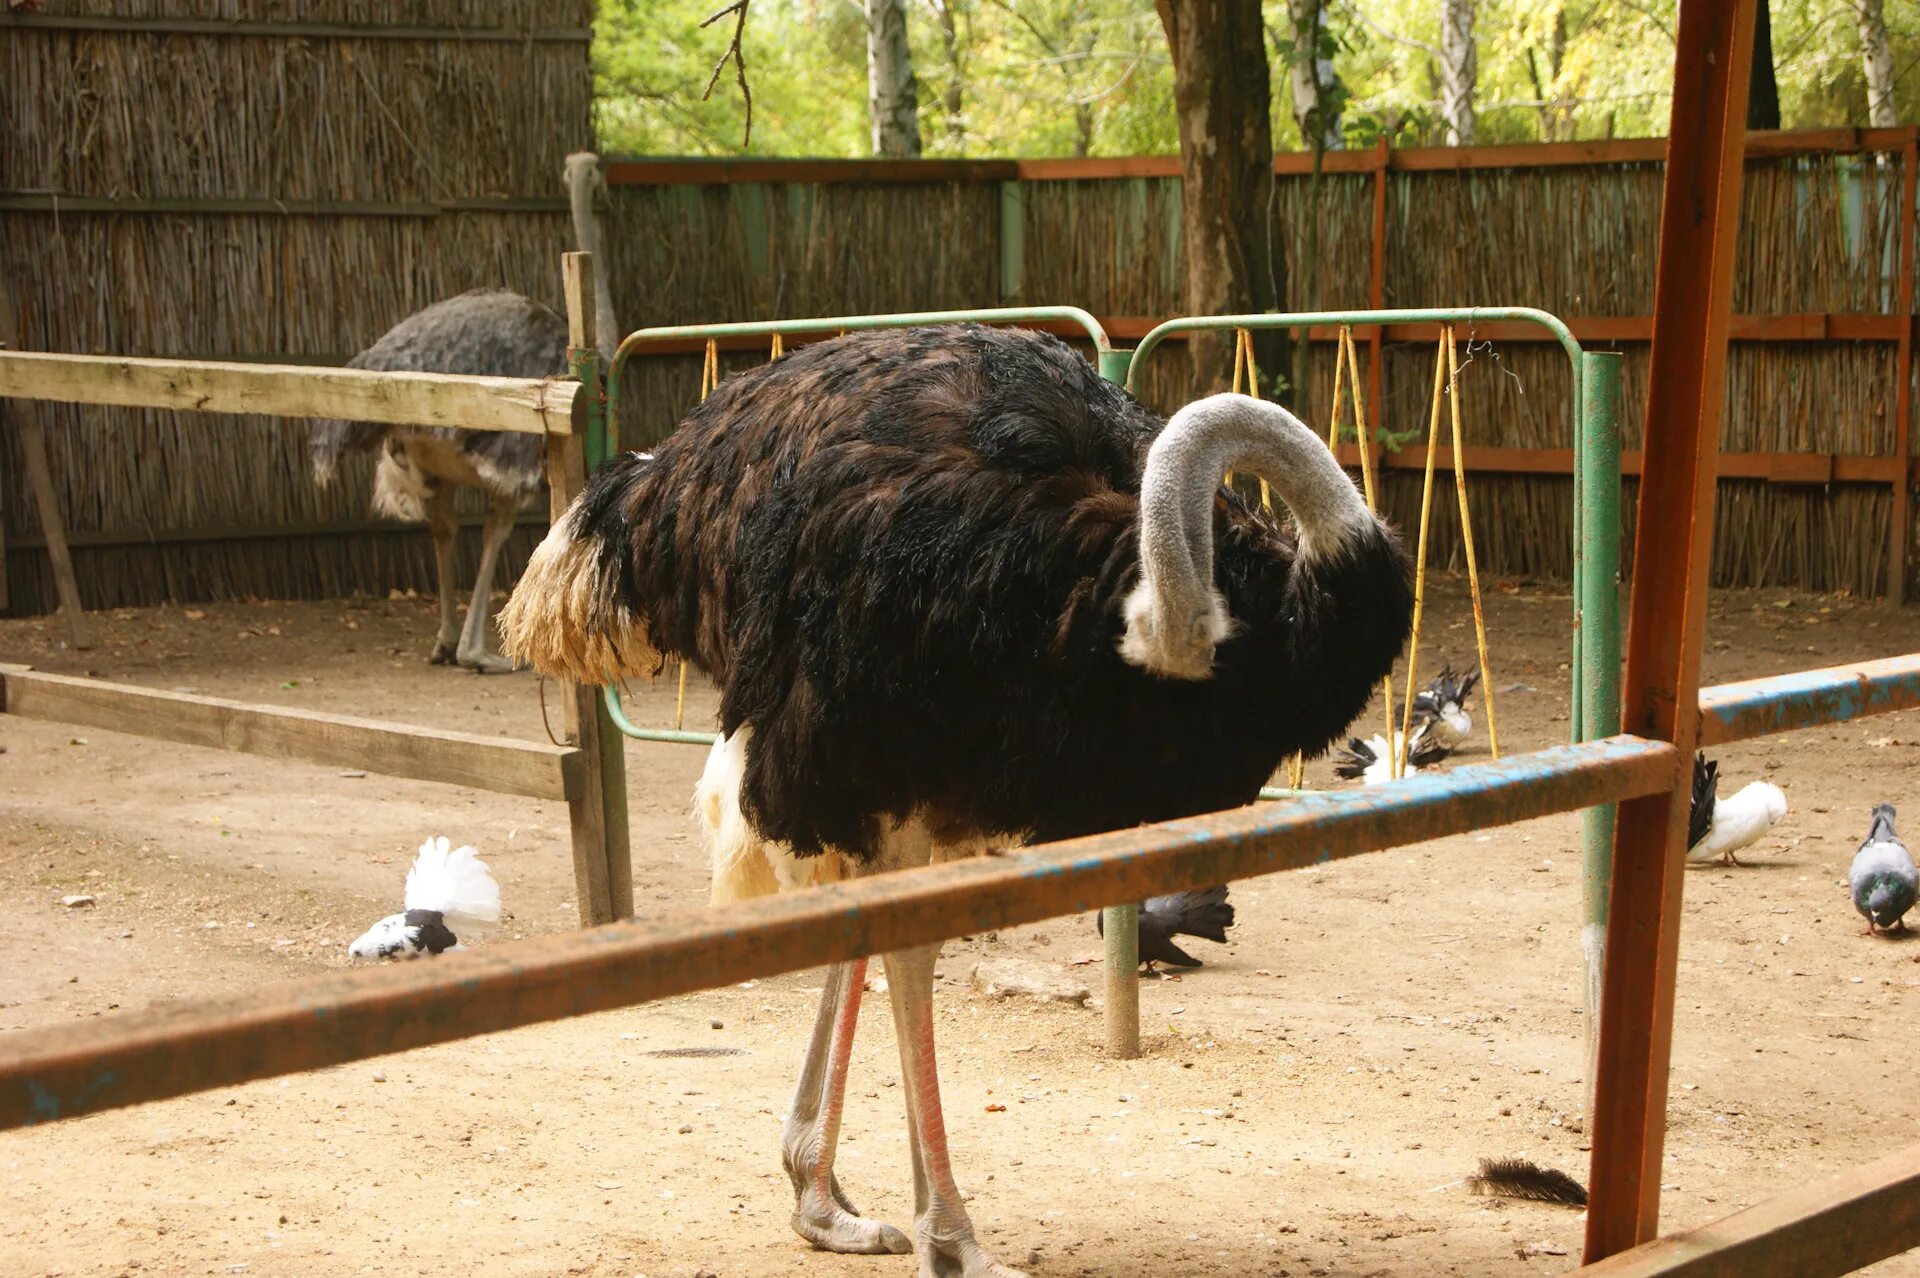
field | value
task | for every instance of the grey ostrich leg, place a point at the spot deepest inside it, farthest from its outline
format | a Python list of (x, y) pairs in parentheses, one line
[(445, 526), (942, 1231), (821, 1213), (473, 652)]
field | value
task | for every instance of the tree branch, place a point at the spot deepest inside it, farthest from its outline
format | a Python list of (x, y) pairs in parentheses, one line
[(739, 58), (1354, 8), (1652, 18)]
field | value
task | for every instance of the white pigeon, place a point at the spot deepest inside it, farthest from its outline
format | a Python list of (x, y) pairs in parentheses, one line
[(1720, 827), (446, 889), (1368, 761), (1882, 878)]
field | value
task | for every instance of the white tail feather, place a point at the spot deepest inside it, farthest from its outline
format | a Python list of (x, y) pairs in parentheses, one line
[(456, 882)]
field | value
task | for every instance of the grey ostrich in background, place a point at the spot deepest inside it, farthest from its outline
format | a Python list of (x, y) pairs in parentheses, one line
[(488, 332)]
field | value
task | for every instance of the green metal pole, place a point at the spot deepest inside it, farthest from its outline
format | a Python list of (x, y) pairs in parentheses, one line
[(1598, 676), (1121, 923)]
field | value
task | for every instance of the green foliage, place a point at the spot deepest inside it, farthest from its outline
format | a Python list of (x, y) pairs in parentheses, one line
[(1093, 77)]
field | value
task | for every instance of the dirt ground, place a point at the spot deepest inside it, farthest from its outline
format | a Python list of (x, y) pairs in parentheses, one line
[(1307, 1104)]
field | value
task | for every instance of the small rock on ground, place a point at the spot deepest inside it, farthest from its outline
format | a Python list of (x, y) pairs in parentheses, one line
[(1027, 978)]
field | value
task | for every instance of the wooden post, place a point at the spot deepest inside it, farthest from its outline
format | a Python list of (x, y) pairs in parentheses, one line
[(1903, 387), (1686, 390), (602, 861), (33, 452), (1377, 290)]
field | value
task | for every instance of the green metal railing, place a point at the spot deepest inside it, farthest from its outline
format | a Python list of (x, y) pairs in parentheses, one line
[(1595, 696)]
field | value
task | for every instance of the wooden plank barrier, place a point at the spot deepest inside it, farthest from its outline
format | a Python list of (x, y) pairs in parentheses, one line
[(531, 768), (530, 406), (1832, 1226)]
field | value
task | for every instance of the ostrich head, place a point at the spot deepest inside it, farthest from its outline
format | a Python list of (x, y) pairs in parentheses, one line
[(1175, 616), (585, 183)]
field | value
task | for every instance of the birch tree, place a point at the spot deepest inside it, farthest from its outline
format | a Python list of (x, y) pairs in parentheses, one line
[(893, 97), (1318, 95), (1876, 55), (1459, 69)]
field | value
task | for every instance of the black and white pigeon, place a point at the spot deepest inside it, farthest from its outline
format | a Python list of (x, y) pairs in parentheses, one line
[(1883, 878), (1720, 827), (1201, 912), (1440, 712), (1368, 761), (447, 888)]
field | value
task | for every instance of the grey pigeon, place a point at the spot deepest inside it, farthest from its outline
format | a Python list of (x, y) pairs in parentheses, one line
[(1883, 878), (1202, 912)]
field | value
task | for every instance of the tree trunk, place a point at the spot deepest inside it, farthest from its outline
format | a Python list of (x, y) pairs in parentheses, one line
[(1315, 84), (1876, 54), (952, 101), (1222, 97), (893, 98), (1459, 70), (1763, 99)]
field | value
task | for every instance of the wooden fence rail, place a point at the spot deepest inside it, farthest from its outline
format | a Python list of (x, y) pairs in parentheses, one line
[(529, 406), (531, 768), (587, 775)]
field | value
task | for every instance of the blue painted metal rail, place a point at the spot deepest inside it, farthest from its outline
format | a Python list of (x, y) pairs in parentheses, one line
[(1807, 699), (130, 1058)]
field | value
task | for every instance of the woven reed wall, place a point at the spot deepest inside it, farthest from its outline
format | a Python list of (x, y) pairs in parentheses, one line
[(396, 129), (1817, 235)]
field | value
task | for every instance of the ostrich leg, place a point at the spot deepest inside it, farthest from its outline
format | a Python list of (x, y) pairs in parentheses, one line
[(821, 1213), (473, 652), (445, 526), (942, 1231)]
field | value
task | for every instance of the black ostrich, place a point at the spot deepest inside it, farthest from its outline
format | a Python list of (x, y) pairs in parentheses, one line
[(487, 332), (958, 591)]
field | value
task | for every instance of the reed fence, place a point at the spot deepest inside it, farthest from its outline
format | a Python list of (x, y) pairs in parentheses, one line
[(275, 182)]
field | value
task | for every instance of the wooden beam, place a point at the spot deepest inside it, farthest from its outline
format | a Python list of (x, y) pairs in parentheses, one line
[(1831, 1227), (1673, 554), (879, 172), (423, 754), (1778, 468), (1286, 163), (597, 814), (237, 206), (1902, 515), (33, 449), (527, 405), (293, 30), (33, 454), (120, 537), (128, 1058)]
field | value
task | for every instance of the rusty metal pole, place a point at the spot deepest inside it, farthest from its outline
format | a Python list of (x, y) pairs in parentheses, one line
[(1673, 544)]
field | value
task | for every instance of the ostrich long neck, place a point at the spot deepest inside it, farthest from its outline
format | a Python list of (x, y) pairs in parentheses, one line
[(1176, 617), (586, 234), (1212, 436)]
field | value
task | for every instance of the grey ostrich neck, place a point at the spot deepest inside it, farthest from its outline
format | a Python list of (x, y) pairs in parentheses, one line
[(582, 177), (1176, 617)]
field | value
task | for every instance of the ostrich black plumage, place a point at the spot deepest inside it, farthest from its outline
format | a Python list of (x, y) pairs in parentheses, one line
[(490, 332), (958, 591)]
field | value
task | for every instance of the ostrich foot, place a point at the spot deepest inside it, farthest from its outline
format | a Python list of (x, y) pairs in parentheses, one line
[(833, 1224), (959, 1256), (487, 663), (445, 653)]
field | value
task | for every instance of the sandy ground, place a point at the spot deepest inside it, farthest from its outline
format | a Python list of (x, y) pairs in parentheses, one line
[(1306, 1104)]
